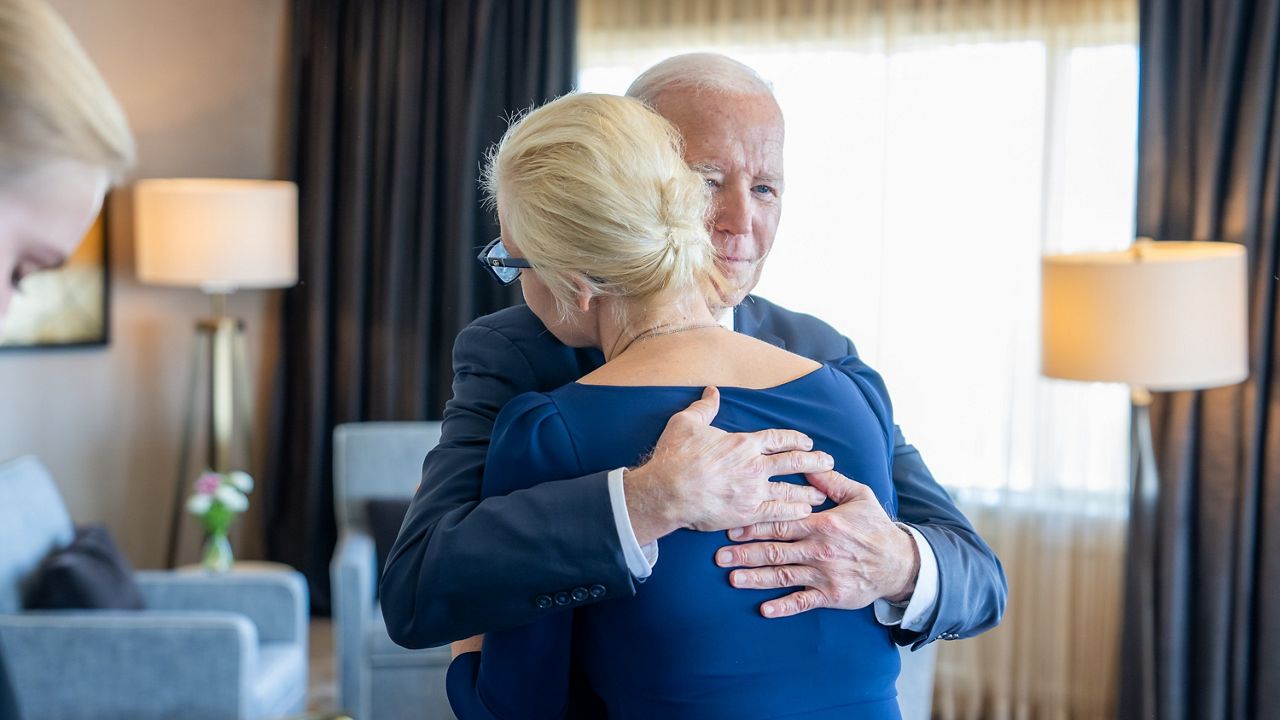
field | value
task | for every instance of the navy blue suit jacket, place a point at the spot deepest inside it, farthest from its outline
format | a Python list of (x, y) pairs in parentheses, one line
[(461, 567)]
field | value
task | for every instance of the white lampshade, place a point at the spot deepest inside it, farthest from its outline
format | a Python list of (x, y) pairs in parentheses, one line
[(217, 235), (1161, 316)]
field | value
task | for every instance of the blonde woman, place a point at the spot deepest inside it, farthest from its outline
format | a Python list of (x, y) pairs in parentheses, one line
[(63, 141), (605, 227)]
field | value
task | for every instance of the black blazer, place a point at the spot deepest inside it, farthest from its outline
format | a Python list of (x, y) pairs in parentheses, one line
[(461, 567)]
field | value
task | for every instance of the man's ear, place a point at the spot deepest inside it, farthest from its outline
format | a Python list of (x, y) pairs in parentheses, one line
[(583, 295)]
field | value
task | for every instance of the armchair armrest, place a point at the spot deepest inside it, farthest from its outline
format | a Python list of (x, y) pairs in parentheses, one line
[(129, 664), (352, 573), (275, 602), (353, 582)]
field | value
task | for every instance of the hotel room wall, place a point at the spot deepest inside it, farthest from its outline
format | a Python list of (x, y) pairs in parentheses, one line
[(204, 85)]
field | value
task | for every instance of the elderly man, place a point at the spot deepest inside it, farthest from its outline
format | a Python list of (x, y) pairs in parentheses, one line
[(462, 566)]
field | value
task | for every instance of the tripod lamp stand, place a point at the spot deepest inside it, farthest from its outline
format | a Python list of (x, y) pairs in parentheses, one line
[(218, 236)]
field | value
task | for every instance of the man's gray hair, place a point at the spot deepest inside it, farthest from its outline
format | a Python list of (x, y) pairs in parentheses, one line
[(700, 72)]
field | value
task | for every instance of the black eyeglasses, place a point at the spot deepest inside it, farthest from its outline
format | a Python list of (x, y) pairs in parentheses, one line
[(504, 268)]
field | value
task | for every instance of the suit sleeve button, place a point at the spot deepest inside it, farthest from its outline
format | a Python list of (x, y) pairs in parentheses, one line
[(562, 598), (580, 594), (597, 591), (543, 601)]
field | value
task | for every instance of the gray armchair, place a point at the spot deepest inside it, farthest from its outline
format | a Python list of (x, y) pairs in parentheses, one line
[(915, 683), (207, 646), (378, 680)]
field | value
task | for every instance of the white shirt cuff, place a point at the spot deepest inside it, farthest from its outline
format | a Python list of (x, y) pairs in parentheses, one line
[(918, 610), (640, 560)]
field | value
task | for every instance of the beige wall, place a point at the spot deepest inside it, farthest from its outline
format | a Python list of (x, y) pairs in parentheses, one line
[(204, 84)]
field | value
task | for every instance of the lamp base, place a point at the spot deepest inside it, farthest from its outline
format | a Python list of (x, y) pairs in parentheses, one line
[(220, 340)]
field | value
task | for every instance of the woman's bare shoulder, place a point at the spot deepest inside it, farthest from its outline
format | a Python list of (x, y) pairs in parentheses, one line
[(726, 360)]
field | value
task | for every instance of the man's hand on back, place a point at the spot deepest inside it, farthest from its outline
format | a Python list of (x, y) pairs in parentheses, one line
[(704, 478), (845, 557)]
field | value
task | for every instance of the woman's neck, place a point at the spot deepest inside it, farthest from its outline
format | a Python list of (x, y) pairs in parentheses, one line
[(622, 322)]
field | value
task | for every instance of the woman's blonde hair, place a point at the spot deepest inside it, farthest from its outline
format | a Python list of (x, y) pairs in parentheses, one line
[(53, 102), (596, 194)]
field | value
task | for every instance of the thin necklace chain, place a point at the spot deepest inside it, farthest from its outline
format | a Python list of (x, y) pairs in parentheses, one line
[(656, 331)]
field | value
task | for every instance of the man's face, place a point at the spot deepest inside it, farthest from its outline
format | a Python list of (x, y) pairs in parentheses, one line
[(44, 214), (735, 142)]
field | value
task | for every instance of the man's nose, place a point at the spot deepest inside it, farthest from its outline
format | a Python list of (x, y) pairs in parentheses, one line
[(733, 213)]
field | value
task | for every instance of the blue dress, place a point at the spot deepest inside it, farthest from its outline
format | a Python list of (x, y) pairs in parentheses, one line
[(687, 645)]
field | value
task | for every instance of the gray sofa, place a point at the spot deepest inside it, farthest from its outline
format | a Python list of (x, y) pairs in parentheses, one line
[(378, 680), (212, 647)]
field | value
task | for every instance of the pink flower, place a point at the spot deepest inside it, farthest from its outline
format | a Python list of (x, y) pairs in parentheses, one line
[(207, 484)]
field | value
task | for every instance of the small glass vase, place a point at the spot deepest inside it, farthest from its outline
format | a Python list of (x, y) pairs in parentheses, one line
[(217, 555)]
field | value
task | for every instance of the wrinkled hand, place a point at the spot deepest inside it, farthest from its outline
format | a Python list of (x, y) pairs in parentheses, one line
[(704, 478), (845, 557)]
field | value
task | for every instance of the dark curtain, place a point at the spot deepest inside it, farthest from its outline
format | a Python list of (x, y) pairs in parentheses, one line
[(1209, 166), (394, 104)]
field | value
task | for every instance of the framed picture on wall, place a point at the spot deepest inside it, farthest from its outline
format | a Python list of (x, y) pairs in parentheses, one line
[(66, 307)]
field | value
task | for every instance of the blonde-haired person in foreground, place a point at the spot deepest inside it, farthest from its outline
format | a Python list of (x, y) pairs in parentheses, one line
[(63, 141), (595, 201)]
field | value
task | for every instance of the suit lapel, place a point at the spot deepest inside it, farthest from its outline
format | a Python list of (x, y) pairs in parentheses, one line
[(748, 319)]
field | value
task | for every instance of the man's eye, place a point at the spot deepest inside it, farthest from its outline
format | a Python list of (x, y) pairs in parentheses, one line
[(712, 183), (764, 190)]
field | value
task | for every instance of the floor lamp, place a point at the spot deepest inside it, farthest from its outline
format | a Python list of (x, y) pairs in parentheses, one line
[(218, 236), (1161, 316)]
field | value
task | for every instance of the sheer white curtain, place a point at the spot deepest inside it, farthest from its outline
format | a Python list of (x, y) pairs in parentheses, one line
[(934, 151)]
